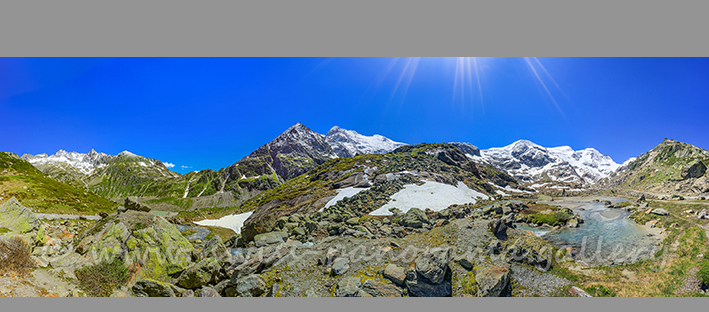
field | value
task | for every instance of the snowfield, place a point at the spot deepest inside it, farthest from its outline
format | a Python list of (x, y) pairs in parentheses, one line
[(342, 194), (433, 195), (234, 222)]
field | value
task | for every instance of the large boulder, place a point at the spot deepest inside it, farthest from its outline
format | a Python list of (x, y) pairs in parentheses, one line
[(17, 218), (251, 286), (419, 286), (433, 264), (372, 288), (270, 238), (395, 273), (200, 274), (153, 288), (348, 287), (660, 212), (492, 281), (414, 218), (144, 241), (340, 266), (215, 248), (207, 292), (694, 170), (533, 251)]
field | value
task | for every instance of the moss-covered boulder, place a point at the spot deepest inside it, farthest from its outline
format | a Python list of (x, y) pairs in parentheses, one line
[(414, 218), (17, 218), (146, 242)]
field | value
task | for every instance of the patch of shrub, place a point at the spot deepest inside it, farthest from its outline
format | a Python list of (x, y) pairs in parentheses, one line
[(15, 256), (101, 279)]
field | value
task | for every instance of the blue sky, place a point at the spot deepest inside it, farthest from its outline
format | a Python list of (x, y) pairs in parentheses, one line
[(210, 112)]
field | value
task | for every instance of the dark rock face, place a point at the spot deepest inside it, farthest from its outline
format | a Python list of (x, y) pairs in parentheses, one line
[(295, 151), (694, 170), (419, 286)]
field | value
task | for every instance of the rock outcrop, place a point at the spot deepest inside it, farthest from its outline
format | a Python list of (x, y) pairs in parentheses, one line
[(154, 247), (694, 170)]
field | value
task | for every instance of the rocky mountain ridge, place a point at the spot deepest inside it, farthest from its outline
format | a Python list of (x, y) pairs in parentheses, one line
[(670, 168)]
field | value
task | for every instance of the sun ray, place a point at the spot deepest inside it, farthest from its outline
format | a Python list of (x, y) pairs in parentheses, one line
[(404, 73), (480, 89), (550, 77), (531, 67)]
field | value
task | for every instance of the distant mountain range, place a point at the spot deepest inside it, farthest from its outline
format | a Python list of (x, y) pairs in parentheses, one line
[(530, 162), (523, 166)]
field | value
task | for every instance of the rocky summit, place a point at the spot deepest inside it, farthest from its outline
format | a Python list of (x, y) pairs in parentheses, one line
[(670, 168)]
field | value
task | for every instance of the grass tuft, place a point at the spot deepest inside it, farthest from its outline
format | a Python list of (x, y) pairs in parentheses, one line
[(101, 279), (15, 256)]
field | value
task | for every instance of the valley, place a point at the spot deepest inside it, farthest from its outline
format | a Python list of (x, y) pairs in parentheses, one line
[(349, 215)]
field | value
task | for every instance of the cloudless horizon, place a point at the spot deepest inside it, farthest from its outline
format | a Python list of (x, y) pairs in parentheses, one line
[(200, 113)]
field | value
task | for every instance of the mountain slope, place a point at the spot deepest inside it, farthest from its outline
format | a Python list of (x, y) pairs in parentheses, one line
[(529, 162), (378, 177), (18, 178), (348, 143), (671, 167)]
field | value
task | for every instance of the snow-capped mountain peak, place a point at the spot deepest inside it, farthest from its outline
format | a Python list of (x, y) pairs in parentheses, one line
[(347, 143), (85, 163), (531, 162)]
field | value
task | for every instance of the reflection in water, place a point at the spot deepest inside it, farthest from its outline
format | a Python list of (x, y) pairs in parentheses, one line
[(607, 237)]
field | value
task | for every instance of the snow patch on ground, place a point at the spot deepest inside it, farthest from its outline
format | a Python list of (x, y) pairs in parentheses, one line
[(433, 195), (234, 222), (342, 194), (538, 185)]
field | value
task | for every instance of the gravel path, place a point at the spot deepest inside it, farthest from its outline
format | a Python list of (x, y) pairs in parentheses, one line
[(535, 282), (55, 216)]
